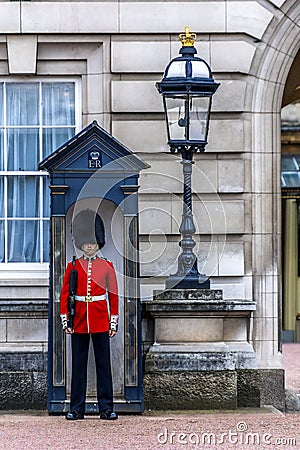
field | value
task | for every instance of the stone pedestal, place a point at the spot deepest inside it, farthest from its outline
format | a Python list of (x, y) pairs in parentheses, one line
[(201, 345)]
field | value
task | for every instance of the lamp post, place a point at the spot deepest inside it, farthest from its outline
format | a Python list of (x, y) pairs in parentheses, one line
[(187, 88)]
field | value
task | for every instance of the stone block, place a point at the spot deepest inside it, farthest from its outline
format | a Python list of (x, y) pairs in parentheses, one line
[(285, 42), (66, 50), (264, 162), (292, 401), (187, 294), (231, 176), (4, 67), (70, 17), (214, 217), (24, 329), (3, 52), (39, 390), (170, 17), (15, 361), (268, 307), (264, 328), (142, 96), (94, 103), (230, 96), (164, 175), (10, 17), (135, 96), (272, 388), (265, 90), (190, 390), (248, 389), (155, 217), (158, 258), (2, 330), (187, 329), (22, 52), (147, 289), (15, 390), (141, 135), (23, 390), (208, 258), (235, 56), (204, 175), (95, 59), (235, 329), (231, 260), (220, 136), (234, 287), (267, 351), (247, 17), (13, 292), (61, 67), (135, 57)]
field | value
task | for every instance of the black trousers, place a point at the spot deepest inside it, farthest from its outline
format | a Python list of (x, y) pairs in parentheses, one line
[(80, 351)]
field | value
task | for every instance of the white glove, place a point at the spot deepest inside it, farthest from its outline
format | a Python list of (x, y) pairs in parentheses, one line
[(113, 324), (64, 321)]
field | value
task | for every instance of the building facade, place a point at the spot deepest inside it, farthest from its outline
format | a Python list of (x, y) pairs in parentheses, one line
[(64, 64)]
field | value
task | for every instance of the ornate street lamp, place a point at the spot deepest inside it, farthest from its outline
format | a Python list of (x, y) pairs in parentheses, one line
[(187, 88)]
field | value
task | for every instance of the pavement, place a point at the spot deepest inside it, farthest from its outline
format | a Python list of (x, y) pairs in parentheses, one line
[(261, 428), (291, 363)]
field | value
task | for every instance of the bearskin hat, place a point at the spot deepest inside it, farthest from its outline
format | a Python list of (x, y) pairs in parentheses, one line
[(88, 228)]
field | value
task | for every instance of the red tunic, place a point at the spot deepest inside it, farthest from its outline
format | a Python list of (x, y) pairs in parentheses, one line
[(92, 317)]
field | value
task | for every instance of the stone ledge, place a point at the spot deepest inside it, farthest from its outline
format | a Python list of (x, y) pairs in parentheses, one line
[(200, 357), (195, 306), (188, 294), (21, 361), (30, 305)]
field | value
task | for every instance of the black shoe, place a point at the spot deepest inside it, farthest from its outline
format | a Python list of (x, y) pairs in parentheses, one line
[(108, 415), (74, 415)]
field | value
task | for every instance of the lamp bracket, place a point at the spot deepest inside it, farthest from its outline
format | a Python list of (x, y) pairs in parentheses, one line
[(187, 150)]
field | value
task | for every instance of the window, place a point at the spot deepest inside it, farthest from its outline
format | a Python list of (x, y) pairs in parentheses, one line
[(35, 119)]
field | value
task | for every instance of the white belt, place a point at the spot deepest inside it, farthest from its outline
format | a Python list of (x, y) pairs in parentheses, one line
[(90, 298)]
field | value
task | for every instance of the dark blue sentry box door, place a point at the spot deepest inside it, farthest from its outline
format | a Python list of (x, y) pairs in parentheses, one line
[(94, 170)]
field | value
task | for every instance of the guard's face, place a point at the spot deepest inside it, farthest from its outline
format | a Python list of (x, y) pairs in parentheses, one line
[(90, 250)]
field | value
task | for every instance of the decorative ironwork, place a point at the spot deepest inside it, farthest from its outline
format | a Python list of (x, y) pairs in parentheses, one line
[(187, 275)]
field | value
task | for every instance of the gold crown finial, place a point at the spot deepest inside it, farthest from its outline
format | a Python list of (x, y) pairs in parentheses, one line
[(187, 38)]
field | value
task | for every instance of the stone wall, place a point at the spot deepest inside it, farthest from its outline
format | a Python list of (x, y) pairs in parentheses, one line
[(23, 348)]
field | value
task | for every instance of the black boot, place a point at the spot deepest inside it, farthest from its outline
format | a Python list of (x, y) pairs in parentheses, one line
[(74, 415), (108, 415)]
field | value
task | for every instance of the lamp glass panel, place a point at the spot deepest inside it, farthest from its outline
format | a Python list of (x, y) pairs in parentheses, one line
[(200, 70), (177, 69), (199, 108), (177, 114)]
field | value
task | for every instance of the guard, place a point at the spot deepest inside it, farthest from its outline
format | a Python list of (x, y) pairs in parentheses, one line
[(89, 309)]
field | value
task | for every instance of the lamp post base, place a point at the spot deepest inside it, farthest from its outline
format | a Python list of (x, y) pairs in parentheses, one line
[(190, 281)]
